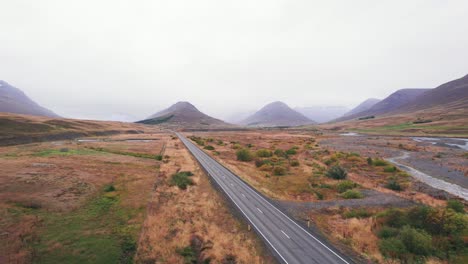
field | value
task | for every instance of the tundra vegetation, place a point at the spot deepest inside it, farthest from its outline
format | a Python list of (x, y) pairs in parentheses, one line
[(295, 167)]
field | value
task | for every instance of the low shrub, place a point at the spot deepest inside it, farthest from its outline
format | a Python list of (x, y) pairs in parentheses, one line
[(181, 179), (392, 184), (390, 169), (352, 194), (209, 147), (244, 155), (291, 151), (337, 173), (264, 153), (109, 188), (387, 232), (279, 153), (369, 161), (455, 205), (345, 185), (379, 162), (279, 170), (294, 163)]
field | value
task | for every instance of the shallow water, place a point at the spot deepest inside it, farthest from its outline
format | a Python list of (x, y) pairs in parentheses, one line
[(429, 180), (461, 143), (350, 134)]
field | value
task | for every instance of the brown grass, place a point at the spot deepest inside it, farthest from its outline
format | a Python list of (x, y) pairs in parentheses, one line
[(175, 215)]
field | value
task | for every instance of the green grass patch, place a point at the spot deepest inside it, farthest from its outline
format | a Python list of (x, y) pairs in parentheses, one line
[(125, 153), (99, 232), (64, 152)]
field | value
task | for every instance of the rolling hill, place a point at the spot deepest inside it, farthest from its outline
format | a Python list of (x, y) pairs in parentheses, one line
[(13, 100), (182, 114), (276, 114)]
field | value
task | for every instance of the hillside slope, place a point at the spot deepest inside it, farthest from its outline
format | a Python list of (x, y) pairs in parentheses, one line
[(390, 104), (13, 100)]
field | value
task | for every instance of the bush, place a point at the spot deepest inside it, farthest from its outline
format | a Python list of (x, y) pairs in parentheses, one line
[(158, 157), (294, 163), (379, 162), (279, 170), (291, 151), (455, 205), (259, 163), (109, 188), (352, 194), (390, 169), (345, 185), (393, 248), (279, 153), (209, 147), (369, 161), (387, 232), (395, 218), (181, 179), (337, 173), (416, 241), (393, 185), (264, 153), (244, 155)]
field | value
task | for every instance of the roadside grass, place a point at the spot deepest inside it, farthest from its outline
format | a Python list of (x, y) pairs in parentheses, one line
[(99, 232), (64, 152), (126, 153)]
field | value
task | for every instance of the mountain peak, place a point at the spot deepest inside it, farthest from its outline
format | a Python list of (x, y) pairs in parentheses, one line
[(277, 114), (182, 113)]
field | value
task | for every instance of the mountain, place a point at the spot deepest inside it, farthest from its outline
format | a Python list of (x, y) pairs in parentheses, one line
[(366, 105), (453, 94), (390, 104), (182, 113), (322, 114), (13, 100), (276, 114)]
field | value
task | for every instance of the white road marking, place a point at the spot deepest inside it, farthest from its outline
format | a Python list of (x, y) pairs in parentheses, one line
[(243, 195), (285, 234), (259, 210)]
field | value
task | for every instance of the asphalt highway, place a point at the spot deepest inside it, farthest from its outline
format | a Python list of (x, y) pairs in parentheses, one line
[(290, 242)]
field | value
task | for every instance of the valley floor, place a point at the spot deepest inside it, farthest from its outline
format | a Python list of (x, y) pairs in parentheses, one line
[(112, 201)]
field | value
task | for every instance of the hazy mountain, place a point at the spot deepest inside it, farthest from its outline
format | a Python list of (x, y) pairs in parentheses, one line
[(453, 94), (366, 105), (390, 104), (276, 114), (182, 113), (322, 114), (13, 100)]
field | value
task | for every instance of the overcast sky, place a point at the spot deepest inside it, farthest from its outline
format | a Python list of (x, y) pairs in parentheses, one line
[(111, 59)]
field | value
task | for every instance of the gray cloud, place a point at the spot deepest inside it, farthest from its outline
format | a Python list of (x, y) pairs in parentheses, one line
[(113, 59)]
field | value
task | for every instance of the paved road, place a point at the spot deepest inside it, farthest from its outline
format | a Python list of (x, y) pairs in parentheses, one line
[(290, 242)]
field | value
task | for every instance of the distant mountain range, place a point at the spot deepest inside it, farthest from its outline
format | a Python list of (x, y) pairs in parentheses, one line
[(276, 114), (322, 114), (183, 113), (390, 104), (13, 100), (364, 106)]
